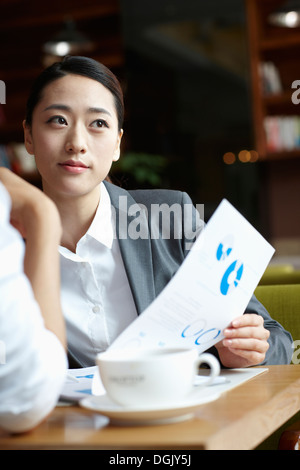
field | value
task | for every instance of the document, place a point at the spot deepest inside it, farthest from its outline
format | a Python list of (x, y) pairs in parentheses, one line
[(212, 287), (80, 383)]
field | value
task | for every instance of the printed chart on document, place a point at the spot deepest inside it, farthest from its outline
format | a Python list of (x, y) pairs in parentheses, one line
[(212, 287)]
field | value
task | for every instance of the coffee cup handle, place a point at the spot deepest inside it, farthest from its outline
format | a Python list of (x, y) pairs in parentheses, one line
[(213, 363)]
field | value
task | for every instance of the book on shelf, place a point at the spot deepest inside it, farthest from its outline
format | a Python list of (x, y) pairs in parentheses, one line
[(282, 133), (15, 157), (270, 77), (5, 159)]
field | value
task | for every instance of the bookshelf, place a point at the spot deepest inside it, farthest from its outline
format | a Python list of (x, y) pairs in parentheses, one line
[(275, 68), (23, 32)]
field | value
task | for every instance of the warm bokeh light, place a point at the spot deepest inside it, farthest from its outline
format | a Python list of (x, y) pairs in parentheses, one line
[(244, 156), (229, 158), (254, 156)]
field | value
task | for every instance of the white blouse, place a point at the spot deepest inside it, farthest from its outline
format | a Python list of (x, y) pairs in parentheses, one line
[(96, 297)]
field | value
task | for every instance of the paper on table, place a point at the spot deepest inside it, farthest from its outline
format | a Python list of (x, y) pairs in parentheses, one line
[(86, 381), (212, 287), (89, 382)]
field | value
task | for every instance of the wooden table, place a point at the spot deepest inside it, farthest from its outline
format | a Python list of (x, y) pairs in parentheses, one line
[(239, 419)]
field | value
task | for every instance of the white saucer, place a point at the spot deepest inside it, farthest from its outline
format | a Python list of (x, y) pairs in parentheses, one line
[(174, 412)]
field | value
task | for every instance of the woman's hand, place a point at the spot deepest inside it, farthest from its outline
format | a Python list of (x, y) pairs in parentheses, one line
[(245, 343)]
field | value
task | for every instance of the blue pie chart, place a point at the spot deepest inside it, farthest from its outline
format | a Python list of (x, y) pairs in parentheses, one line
[(225, 248), (232, 277)]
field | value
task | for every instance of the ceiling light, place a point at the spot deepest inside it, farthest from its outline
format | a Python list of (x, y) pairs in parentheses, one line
[(288, 15), (67, 41)]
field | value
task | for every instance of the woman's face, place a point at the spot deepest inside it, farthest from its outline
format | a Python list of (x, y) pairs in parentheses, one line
[(74, 135)]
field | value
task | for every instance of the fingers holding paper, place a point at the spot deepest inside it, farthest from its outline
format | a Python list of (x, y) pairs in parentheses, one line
[(245, 343)]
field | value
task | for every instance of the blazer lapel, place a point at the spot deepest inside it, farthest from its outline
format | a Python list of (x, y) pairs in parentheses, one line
[(133, 233)]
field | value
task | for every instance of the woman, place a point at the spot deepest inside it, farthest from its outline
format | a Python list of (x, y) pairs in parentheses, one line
[(109, 275)]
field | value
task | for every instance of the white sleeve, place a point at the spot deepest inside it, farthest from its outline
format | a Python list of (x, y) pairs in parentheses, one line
[(32, 360)]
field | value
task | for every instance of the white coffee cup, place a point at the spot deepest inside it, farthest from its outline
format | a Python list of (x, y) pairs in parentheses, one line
[(152, 377)]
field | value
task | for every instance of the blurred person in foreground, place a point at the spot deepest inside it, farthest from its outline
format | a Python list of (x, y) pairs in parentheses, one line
[(32, 332)]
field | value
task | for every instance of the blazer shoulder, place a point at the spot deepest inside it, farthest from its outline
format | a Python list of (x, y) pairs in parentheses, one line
[(150, 196), (159, 196)]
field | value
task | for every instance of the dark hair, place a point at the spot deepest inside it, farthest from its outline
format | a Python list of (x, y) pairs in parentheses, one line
[(76, 65)]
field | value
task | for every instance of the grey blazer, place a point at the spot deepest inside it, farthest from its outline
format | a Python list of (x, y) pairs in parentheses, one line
[(151, 256)]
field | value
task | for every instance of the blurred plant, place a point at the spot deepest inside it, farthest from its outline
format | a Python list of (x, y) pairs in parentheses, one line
[(144, 168)]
